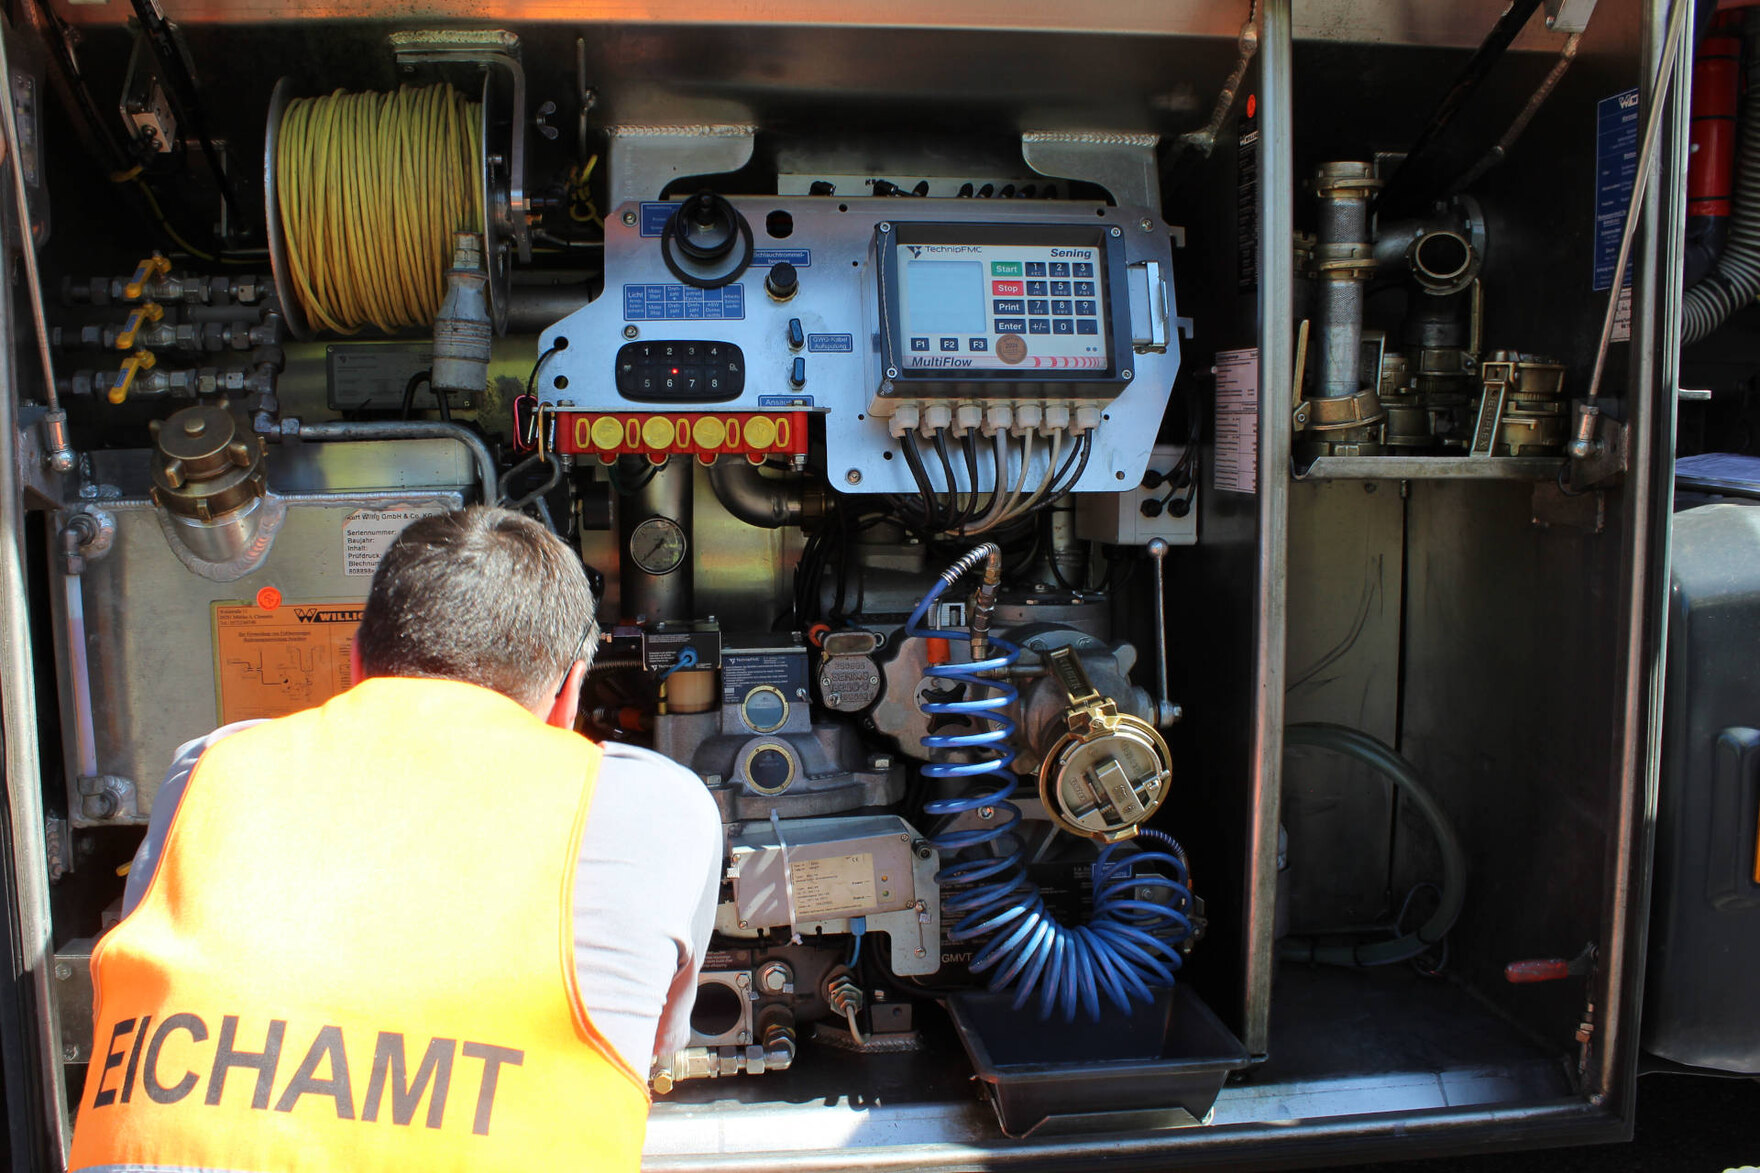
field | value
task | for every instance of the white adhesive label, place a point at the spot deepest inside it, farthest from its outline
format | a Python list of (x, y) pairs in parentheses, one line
[(368, 533), (1237, 420), (839, 885)]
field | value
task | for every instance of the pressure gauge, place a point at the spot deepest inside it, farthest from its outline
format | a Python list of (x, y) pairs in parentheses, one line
[(658, 545)]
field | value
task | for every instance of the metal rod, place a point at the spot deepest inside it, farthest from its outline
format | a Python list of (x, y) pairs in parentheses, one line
[(79, 670), (414, 430), (1646, 158), (1655, 372), (61, 457), (18, 736), (1166, 713)]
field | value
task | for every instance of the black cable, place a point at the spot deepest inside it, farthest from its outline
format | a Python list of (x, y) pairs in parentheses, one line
[(1405, 188), (184, 97), (955, 514), (409, 391), (445, 404), (971, 453), (532, 379), (913, 457), (1059, 491)]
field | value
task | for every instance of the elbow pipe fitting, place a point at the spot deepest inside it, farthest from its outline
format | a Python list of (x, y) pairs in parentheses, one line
[(758, 500)]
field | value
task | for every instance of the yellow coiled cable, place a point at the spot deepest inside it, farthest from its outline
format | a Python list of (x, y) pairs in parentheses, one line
[(372, 186)]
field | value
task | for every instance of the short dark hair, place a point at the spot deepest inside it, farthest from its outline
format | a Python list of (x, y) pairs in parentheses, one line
[(482, 595)]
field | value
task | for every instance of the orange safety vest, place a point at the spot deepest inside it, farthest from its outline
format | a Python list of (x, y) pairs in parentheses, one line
[(357, 952)]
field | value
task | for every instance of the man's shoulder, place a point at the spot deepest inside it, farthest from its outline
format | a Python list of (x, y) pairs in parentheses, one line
[(660, 784)]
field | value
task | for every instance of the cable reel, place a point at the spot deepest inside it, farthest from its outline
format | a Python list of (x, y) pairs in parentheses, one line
[(373, 260), (1110, 772)]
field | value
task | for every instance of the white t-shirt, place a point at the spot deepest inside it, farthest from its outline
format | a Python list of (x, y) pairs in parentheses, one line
[(645, 891)]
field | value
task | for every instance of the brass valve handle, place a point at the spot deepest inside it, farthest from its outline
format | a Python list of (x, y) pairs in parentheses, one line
[(1067, 667)]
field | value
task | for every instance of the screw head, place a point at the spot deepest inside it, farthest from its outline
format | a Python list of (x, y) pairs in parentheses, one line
[(742, 980), (69, 1052), (630, 331), (662, 1082), (986, 812), (1146, 224), (1127, 374), (892, 372), (629, 217), (885, 226), (853, 476), (921, 951), (63, 971), (1115, 231)]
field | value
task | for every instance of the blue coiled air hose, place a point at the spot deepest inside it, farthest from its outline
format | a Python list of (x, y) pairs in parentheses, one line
[(1126, 948)]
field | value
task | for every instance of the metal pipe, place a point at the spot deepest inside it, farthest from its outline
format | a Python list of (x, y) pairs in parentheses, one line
[(18, 734), (1346, 259), (1276, 379), (532, 309), (60, 451), (755, 499), (85, 734), (413, 430)]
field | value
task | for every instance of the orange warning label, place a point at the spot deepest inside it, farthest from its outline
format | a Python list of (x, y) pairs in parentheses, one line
[(269, 663)]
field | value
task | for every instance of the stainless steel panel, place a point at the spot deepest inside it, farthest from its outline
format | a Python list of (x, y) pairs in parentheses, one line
[(1346, 547), (1276, 306), (148, 621)]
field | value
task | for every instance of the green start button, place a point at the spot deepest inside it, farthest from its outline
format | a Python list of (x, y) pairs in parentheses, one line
[(1005, 268)]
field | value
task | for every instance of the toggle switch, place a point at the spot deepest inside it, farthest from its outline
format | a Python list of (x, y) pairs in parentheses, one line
[(797, 337), (797, 373)]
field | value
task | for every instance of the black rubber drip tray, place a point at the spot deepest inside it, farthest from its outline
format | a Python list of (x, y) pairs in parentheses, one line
[(1159, 1067)]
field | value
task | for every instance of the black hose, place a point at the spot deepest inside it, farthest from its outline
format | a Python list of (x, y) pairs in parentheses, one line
[(1384, 760), (409, 391), (1735, 281), (1405, 191)]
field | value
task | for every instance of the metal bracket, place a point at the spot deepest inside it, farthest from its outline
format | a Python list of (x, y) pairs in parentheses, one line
[(1122, 163), (1606, 454), (644, 159)]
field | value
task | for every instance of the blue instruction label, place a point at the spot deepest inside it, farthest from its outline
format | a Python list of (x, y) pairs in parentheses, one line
[(800, 258), (1616, 170), (655, 216), (682, 303), (831, 343), (784, 402)]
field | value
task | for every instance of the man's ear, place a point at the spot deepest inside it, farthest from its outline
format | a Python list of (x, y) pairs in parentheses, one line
[(568, 700)]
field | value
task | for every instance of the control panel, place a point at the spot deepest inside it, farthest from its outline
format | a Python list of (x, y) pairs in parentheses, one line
[(984, 308), (877, 315), (681, 371)]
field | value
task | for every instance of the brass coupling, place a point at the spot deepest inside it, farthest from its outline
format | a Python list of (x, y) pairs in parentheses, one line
[(1339, 412)]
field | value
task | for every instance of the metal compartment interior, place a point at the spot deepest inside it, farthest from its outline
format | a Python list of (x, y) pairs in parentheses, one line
[(1503, 637)]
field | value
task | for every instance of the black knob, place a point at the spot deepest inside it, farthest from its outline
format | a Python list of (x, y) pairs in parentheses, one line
[(782, 282), (797, 337), (797, 373), (1150, 508), (1180, 507)]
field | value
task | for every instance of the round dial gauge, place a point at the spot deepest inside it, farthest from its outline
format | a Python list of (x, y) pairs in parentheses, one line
[(658, 545)]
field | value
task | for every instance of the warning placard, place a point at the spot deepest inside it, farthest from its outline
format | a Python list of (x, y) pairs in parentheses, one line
[(272, 662)]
